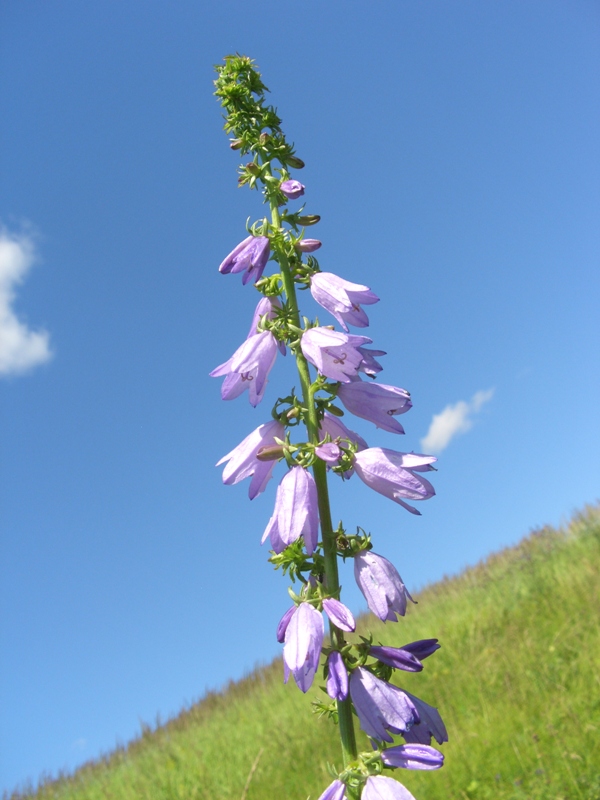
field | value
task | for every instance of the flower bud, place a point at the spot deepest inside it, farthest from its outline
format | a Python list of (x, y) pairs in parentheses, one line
[(263, 138), (271, 453), (235, 144), (295, 162), (309, 219), (253, 168), (307, 245)]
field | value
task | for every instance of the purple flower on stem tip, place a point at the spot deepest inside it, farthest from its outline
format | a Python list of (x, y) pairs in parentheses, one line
[(308, 245), (303, 642), (379, 787), (397, 658), (382, 708), (412, 756), (283, 623), (295, 512), (430, 724), (368, 365), (251, 255), (339, 614), (335, 791), (376, 402), (248, 368), (382, 586), (292, 189), (334, 354), (243, 463), (393, 474), (342, 299), (337, 676)]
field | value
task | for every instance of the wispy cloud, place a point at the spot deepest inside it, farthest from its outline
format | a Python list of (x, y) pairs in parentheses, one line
[(453, 420), (21, 349)]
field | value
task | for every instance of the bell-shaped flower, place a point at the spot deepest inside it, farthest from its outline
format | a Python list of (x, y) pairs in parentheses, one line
[(308, 245), (335, 791), (397, 658), (381, 707), (376, 402), (430, 724), (342, 299), (303, 642), (380, 787), (393, 474), (369, 365), (334, 354), (339, 432), (243, 463), (337, 676), (292, 189), (248, 368), (412, 756), (339, 614), (382, 586), (250, 255), (296, 512)]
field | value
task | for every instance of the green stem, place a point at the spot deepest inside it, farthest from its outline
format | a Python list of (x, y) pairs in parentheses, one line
[(344, 707)]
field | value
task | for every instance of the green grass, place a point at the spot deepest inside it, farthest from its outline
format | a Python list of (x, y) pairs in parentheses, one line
[(517, 682)]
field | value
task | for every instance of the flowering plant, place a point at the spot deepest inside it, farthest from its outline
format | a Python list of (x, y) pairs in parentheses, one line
[(300, 531)]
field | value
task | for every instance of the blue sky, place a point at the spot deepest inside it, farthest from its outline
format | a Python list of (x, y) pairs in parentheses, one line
[(452, 152)]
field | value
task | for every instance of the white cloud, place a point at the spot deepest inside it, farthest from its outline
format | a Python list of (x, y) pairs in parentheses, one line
[(453, 421), (21, 349)]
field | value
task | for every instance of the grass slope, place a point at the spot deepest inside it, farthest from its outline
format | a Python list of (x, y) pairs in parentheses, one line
[(517, 682)]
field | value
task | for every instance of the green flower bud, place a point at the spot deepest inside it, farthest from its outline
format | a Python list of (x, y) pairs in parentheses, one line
[(235, 144), (310, 219), (295, 162)]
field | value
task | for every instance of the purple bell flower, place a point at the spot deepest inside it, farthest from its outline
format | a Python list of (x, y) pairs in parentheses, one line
[(337, 676), (423, 648), (243, 463), (412, 756), (382, 586), (248, 368), (376, 402), (292, 189), (283, 623), (335, 791), (295, 512), (342, 299), (430, 724), (308, 245), (380, 787), (369, 365), (397, 658), (382, 708), (266, 307), (393, 474), (339, 614), (251, 255), (334, 354), (303, 642)]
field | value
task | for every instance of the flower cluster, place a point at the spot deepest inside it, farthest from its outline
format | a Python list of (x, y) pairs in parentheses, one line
[(303, 542)]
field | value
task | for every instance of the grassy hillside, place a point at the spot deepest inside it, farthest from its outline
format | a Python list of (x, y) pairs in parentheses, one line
[(517, 682)]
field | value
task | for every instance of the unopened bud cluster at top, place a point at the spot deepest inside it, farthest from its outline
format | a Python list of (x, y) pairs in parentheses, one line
[(300, 532)]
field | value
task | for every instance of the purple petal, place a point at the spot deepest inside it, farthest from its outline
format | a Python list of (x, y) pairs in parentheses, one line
[(397, 658), (337, 676), (283, 623), (335, 791), (379, 787), (339, 614), (242, 461), (412, 756)]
